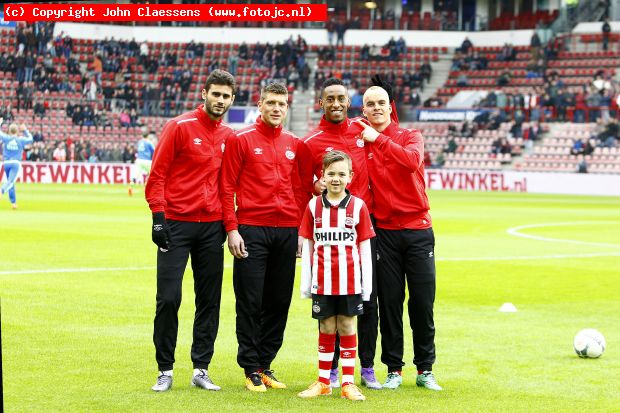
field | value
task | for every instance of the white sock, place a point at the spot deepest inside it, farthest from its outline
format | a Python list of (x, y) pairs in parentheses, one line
[(198, 371), (166, 372)]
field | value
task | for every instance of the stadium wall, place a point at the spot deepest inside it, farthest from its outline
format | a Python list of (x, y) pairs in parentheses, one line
[(595, 27), (439, 179), (421, 38)]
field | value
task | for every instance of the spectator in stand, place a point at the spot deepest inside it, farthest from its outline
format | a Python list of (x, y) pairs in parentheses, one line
[(341, 28), (426, 71), (233, 62), (578, 147), (606, 29), (144, 53), (305, 76), (582, 165), (504, 78), (365, 52), (593, 101), (60, 154), (330, 26), (124, 119), (415, 99), (466, 45), (462, 80), (38, 109), (535, 45)]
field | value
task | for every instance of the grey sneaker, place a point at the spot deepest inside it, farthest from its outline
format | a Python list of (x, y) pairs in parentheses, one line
[(369, 380), (427, 380), (393, 381), (334, 381), (164, 382), (201, 379)]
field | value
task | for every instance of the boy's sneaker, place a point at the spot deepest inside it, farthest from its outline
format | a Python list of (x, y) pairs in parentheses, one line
[(270, 380), (164, 382), (351, 392), (393, 381), (316, 389), (369, 380), (201, 379), (427, 380), (253, 382), (334, 381)]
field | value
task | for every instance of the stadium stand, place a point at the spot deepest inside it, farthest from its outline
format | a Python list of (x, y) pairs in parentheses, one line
[(96, 97)]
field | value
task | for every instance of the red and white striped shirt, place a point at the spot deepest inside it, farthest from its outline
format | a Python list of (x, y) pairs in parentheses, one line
[(336, 231)]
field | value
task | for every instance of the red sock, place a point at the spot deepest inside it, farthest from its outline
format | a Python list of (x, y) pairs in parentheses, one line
[(348, 352), (327, 343)]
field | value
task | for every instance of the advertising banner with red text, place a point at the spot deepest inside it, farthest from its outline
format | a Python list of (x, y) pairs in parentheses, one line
[(438, 179)]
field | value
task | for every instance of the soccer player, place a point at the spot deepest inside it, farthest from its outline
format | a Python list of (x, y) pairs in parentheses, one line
[(183, 195), (405, 239), (336, 270), (12, 153), (337, 132), (263, 171), (144, 158)]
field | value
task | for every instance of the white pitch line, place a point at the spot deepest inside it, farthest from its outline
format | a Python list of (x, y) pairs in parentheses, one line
[(515, 231), (503, 258)]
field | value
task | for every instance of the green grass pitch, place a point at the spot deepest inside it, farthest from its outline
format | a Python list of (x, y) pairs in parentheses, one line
[(77, 284)]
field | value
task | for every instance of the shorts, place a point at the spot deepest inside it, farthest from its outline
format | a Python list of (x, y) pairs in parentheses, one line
[(326, 306)]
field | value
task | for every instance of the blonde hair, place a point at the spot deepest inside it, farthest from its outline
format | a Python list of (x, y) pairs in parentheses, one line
[(13, 129)]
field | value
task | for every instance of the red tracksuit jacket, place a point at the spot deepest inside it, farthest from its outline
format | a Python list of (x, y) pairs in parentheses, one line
[(184, 176), (269, 171), (330, 136), (396, 169)]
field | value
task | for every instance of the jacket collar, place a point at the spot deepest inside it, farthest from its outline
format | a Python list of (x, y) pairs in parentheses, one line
[(391, 129), (205, 119), (267, 130)]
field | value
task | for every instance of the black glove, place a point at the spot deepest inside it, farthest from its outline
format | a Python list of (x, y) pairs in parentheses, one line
[(160, 233), (378, 81)]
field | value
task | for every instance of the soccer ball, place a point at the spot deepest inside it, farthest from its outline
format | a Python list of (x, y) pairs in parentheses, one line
[(589, 343)]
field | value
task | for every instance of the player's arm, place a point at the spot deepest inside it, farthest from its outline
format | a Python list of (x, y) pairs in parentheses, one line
[(306, 243), (366, 267), (306, 268), (232, 163), (303, 193), (162, 159), (28, 138), (410, 154), (155, 185), (365, 232)]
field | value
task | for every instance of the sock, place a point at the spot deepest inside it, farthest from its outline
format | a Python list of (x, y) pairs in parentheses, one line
[(348, 352), (327, 343), (198, 371), (422, 371), (166, 372)]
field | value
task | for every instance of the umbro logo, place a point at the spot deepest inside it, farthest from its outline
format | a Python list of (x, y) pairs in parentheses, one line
[(346, 354), (370, 155), (430, 254), (329, 149), (158, 227), (318, 220), (197, 141), (258, 151)]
